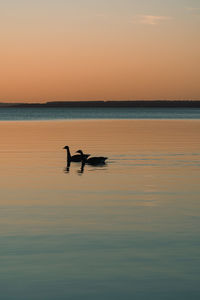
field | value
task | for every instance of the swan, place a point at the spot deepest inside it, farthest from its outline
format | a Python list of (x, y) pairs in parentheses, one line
[(77, 157), (98, 160)]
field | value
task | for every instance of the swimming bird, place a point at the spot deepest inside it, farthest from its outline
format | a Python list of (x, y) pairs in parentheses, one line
[(75, 158), (96, 160)]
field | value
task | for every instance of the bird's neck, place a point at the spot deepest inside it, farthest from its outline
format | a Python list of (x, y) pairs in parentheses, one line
[(68, 154), (83, 158)]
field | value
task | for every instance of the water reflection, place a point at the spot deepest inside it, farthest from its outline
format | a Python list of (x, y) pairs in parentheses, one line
[(125, 230), (67, 168), (81, 170)]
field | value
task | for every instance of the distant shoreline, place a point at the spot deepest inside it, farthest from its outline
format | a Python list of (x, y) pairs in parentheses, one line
[(109, 104)]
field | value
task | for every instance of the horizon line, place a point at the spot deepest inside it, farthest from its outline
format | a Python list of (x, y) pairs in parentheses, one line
[(95, 101)]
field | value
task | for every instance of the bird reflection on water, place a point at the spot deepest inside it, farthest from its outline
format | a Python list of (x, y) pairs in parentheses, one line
[(67, 168), (81, 170)]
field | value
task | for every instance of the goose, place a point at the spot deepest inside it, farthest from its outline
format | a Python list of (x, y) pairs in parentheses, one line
[(75, 158), (98, 160)]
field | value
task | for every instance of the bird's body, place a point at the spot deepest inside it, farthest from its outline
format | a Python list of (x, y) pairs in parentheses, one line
[(76, 157), (99, 160), (96, 160)]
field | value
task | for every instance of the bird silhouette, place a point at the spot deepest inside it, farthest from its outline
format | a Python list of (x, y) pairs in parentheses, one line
[(96, 160), (76, 157), (67, 168)]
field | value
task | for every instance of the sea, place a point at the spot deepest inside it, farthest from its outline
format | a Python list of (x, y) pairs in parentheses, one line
[(128, 229), (70, 113)]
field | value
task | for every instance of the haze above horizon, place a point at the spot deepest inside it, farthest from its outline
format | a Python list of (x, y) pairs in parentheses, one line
[(90, 50)]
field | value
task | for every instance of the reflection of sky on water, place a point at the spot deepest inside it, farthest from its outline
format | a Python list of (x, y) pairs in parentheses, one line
[(129, 229), (60, 113)]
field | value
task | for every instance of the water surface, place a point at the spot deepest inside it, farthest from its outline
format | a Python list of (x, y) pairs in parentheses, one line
[(68, 113), (127, 230)]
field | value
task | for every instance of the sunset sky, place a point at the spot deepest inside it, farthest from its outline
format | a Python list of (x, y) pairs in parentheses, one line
[(99, 50)]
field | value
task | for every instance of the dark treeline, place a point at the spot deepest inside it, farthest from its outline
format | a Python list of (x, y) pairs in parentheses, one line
[(137, 103)]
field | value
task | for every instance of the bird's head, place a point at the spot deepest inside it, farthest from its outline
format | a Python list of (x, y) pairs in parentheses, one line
[(66, 147), (79, 151)]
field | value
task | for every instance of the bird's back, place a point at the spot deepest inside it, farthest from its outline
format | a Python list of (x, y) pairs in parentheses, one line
[(79, 158), (96, 160)]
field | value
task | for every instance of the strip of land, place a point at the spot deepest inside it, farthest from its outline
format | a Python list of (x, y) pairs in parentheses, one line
[(113, 104)]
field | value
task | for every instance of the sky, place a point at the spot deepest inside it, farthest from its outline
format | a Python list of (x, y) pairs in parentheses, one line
[(99, 50)]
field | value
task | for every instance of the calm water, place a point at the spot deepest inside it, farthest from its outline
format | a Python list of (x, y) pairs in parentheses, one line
[(128, 230), (97, 113)]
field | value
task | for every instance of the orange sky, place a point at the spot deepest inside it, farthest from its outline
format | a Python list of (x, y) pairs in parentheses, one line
[(61, 50)]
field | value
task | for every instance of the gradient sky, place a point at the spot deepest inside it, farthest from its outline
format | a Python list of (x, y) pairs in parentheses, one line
[(102, 49)]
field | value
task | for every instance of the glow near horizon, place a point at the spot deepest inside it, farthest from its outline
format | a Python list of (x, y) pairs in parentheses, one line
[(90, 50)]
